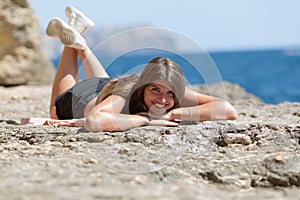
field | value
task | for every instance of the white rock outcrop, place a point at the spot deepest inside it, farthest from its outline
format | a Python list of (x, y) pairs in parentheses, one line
[(21, 58)]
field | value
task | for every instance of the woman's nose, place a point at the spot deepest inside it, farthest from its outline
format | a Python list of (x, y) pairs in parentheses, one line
[(162, 97)]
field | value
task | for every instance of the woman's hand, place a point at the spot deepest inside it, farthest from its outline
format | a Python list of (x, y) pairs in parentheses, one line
[(161, 121)]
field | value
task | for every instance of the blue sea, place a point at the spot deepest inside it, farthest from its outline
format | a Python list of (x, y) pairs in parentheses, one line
[(271, 75)]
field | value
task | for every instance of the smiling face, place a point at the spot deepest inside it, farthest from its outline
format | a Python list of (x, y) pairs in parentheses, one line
[(159, 89), (159, 97)]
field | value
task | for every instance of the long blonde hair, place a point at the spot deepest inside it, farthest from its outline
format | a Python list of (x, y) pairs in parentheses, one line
[(118, 86), (162, 69)]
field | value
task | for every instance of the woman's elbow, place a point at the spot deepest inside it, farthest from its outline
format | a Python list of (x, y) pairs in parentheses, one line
[(231, 113), (90, 124), (99, 122)]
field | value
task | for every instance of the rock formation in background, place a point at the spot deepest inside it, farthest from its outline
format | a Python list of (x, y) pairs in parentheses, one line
[(21, 58)]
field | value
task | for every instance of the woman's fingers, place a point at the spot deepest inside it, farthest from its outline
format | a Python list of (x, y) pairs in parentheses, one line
[(161, 122)]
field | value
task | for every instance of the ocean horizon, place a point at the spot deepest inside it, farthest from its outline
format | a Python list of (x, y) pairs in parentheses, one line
[(270, 74)]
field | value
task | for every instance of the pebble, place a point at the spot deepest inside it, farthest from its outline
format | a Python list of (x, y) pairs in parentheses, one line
[(168, 131), (93, 161), (280, 158), (124, 150), (95, 139), (251, 147)]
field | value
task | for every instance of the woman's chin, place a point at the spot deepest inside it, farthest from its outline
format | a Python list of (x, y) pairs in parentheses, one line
[(157, 114)]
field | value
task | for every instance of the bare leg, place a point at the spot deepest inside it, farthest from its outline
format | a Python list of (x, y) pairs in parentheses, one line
[(92, 68), (91, 65), (66, 76), (67, 72)]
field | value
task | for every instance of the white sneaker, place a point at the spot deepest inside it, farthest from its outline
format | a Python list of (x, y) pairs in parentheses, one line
[(67, 35), (78, 20)]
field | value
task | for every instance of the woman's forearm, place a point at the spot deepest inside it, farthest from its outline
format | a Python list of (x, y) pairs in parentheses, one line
[(104, 121), (215, 110)]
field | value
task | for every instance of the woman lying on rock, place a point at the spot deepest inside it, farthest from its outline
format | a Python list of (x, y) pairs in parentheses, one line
[(157, 96)]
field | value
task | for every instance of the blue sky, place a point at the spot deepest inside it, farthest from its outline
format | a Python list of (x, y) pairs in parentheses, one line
[(214, 24)]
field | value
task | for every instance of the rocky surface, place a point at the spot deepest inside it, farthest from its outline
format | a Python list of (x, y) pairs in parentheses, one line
[(254, 157), (21, 58)]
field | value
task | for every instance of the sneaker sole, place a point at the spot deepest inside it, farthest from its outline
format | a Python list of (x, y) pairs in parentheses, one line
[(88, 21), (56, 28), (70, 9)]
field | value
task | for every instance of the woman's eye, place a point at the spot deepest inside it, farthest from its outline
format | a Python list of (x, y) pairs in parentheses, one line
[(155, 90), (170, 94)]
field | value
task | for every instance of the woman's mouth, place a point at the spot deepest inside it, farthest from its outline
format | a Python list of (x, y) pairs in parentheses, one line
[(158, 108)]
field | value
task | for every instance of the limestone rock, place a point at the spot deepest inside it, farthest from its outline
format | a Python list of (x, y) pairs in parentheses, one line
[(21, 58)]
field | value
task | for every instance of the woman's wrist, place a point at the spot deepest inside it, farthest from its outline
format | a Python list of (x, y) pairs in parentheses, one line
[(175, 114), (183, 114), (145, 119)]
